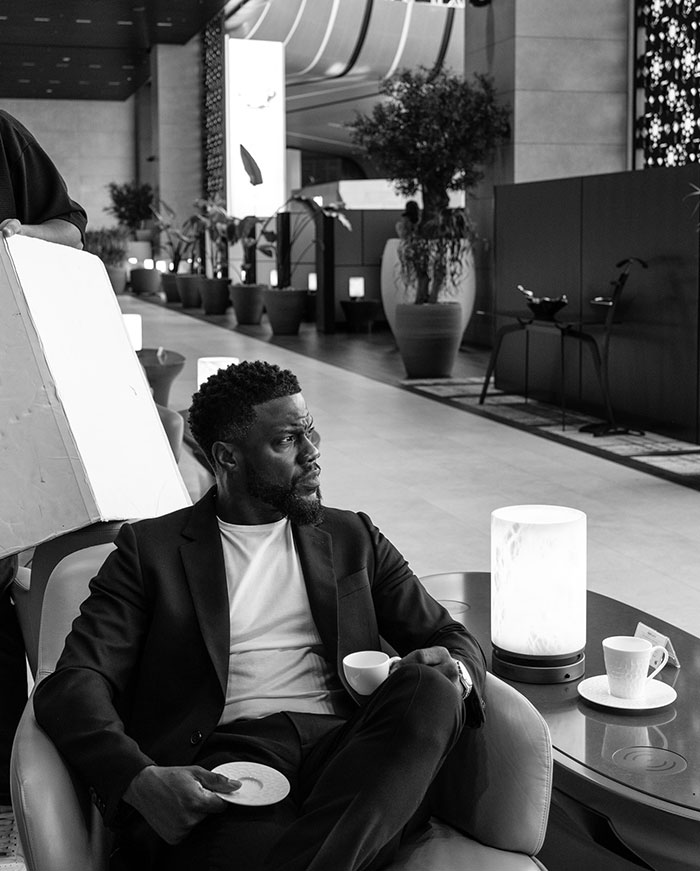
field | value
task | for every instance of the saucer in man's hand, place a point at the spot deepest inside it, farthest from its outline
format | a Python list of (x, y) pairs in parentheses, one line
[(260, 784)]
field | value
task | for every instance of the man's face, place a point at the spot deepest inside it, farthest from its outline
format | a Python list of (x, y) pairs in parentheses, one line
[(280, 457)]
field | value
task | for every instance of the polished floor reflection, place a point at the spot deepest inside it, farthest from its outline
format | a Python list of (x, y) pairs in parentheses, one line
[(429, 475)]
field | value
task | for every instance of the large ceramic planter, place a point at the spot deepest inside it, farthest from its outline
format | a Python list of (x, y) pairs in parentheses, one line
[(144, 281), (188, 289), (394, 291), (285, 309), (168, 284), (215, 295), (428, 337), (247, 300)]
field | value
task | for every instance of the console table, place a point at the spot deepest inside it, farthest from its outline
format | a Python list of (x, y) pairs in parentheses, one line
[(626, 785)]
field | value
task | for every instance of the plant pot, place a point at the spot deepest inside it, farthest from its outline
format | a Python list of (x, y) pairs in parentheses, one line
[(161, 367), (247, 302), (215, 295), (428, 337), (168, 284), (145, 281), (188, 290), (394, 291), (117, 278), (285, 309)]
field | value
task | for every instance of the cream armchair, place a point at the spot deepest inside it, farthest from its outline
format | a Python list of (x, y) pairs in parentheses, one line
[(491, 798)]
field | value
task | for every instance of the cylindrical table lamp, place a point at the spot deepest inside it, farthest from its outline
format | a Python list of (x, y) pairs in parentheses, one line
[(538, 593), (134, 327), (207, 366)]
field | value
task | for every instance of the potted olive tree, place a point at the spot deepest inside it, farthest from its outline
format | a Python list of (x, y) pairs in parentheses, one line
[(432, 133)]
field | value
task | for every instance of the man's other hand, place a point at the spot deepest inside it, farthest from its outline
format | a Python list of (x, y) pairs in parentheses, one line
[(437, 657), (173, 800)]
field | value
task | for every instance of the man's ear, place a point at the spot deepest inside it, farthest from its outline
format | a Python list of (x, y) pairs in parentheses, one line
[(225, 456)]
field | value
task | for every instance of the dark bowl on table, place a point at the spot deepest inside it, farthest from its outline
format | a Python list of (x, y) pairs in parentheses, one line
[(545, 307)]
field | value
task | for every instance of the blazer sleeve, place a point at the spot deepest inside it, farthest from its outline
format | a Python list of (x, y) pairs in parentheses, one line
[(410, 619), (81, 704)]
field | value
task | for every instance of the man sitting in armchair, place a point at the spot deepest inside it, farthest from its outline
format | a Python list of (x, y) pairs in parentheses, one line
[(217, 633)]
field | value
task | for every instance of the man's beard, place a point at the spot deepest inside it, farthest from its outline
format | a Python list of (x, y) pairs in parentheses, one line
[(287, 500)]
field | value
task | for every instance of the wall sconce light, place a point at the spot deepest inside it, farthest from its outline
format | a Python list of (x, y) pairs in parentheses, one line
[(207, 366), (313, 281), (273, 278), (148, 263), (356, 287), (538, 593), (134, 327)]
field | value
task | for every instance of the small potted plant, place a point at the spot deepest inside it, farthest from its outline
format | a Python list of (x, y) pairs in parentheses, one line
[(285, 304), (432, 133), (132, 206), (109, 244), (215, 230), (175, 243)]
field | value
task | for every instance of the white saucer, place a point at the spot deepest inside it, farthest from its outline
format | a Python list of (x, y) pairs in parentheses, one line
[(260, 784), (596, 690)]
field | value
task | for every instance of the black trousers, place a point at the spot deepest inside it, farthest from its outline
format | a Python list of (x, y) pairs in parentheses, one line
[(13, 674), (358, 786)]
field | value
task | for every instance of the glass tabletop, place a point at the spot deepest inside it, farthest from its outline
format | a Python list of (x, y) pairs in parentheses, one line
[(654, 752)]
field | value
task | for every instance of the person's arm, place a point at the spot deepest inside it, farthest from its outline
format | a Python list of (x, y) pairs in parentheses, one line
[(54, 230), (419, 628), (173, 800)]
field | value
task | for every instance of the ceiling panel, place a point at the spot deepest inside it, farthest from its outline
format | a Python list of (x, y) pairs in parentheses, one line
[(89, 49)]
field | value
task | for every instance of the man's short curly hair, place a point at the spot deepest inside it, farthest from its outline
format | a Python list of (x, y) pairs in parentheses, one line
[(223, 409)]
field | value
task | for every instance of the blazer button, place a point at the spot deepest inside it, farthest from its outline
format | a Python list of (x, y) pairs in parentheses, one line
[(195, 737)]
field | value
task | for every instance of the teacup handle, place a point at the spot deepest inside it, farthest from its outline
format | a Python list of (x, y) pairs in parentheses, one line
[(392, 660), (664, 660)]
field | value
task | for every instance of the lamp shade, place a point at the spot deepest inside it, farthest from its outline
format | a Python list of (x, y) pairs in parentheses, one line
[(207, 366), (134, 327), (538, 592)]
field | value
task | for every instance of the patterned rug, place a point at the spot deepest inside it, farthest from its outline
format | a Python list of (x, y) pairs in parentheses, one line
[(659, 455)]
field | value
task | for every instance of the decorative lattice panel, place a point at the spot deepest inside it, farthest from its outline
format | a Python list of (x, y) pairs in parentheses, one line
[(213, 124), (668, 83)]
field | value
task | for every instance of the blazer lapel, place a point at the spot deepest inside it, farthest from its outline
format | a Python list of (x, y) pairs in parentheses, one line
[(203, 559), (316, 555)]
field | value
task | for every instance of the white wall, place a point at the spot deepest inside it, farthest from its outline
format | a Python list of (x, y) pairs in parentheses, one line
[(90, 141)]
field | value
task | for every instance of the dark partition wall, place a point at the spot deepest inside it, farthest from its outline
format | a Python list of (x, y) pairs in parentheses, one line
[(343, 254), (566, 236)]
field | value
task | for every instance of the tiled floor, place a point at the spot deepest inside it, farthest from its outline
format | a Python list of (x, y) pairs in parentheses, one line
[(429, 475)]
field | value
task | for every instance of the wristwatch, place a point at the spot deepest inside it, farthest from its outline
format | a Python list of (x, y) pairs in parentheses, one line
[(464, 678)]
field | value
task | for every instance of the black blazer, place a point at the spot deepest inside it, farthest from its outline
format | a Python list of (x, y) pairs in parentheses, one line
[(142, 678)]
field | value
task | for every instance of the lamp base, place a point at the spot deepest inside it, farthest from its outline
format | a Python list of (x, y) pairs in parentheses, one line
[(538, 669)]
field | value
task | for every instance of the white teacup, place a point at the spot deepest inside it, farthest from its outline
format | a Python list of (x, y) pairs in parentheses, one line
[(365, 670), (627, 660)]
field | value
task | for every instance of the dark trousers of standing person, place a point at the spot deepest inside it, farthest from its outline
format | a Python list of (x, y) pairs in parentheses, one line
[(13, 674), (357, 786)]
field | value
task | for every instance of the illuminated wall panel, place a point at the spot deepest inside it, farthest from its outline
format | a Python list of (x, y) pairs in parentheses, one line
[(668, 97), (255, 119)]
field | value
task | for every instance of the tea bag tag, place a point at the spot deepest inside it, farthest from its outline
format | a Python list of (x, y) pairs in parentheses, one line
[(644, 631)]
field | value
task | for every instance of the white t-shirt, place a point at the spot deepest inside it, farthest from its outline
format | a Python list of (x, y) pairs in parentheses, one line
[(276, 655)]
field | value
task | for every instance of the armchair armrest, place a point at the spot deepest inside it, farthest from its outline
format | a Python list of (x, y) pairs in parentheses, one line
[(496, 783), (53, 823)]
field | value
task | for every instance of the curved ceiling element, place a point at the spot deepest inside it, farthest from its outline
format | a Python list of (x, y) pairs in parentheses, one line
[(338, 52)]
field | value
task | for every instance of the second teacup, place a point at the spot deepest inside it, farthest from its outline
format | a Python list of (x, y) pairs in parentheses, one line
[(365, 670), (627, 661)]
